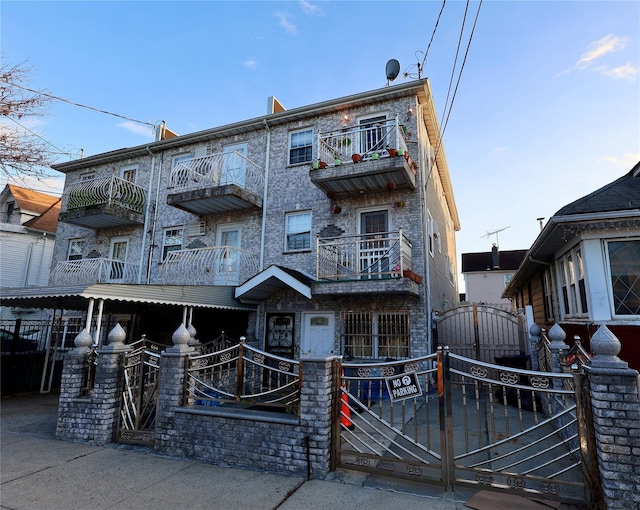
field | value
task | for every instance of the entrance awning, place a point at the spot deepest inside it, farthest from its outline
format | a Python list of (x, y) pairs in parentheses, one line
[(271, 280), (76, 297)]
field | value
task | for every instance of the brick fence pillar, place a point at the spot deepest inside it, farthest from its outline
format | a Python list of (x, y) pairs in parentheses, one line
[(89, 414), (316, 405), (171, 389), (616, 420)]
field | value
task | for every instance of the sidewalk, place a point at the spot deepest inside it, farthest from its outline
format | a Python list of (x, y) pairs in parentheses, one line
[(39, 472)]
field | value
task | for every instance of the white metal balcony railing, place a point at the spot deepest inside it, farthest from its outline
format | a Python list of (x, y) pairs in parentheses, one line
[(217, 170), (105, 191), (217, 265), (362, 257), (89, 271), (369, 142)]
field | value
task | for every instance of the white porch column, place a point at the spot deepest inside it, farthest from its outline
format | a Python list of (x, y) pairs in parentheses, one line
[(96, 335)]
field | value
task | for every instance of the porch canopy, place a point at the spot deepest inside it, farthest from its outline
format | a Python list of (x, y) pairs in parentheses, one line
[(77, 297), (271, 280)]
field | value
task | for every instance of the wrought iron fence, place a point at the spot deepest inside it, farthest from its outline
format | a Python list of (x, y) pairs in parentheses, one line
[(105, 191), (88, 271), (366, 256), (219, 343), (217, 170), (368, 142), (215, 265), (243, 375)]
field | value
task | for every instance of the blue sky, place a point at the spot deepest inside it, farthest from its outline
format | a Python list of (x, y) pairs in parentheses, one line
[(547, 108)]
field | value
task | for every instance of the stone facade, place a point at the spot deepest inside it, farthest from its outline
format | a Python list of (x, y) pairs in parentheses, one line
[(427, 216)]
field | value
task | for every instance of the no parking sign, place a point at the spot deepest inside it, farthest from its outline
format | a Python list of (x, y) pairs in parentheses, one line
[(403, 386)]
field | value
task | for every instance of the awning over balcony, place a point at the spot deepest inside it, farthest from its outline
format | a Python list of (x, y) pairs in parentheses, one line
[(271, 280), (76, 297)]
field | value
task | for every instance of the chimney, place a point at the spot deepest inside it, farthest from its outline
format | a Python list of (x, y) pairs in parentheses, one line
[(495, 257)]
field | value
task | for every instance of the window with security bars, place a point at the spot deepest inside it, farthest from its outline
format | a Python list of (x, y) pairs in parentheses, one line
[(376, 335), (624, 266)]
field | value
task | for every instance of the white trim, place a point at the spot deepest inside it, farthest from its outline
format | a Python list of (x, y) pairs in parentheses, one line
[(275, 273)]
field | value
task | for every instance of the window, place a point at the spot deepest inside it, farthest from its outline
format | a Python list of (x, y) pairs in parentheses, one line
[(181, 158), (300, 146), (10, 208), (171, 240), (376, 334), (571, 277), (88, 176), (76, 249), (549, 305), (128, 173), (624, 267), (431, 226), (298, 231)]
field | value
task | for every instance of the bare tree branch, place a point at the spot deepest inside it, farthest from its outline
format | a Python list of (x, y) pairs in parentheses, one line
[(21, 150)]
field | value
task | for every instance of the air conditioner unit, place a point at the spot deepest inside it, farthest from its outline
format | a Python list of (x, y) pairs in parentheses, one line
[(197, 228)]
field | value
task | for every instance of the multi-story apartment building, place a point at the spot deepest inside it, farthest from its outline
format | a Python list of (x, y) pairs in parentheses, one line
[(328, 228)]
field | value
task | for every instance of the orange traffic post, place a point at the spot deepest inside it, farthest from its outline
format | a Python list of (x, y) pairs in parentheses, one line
[(345, 412)]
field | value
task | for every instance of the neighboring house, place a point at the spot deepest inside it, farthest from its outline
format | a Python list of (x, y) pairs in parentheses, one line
[(28, 230), (583, 270), (486, 274), (269, 229)]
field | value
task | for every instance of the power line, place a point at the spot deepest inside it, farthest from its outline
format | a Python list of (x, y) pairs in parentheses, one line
[(455, 61), (61, 151), (433, 34), (466, 54), (78, 104)]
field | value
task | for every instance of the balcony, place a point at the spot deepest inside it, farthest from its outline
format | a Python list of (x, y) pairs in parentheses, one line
[(217, 265), (365, 263), (377, 168), (90, 271), (217, 183), (103, 203)]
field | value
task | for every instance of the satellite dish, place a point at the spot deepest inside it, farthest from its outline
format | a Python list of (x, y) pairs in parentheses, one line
[(393, 69)]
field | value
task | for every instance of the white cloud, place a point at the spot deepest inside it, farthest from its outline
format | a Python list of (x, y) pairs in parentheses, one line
[(599, 48), (310, 8), (626, 162), (285, 23), (51, 184), (621, 72), (250, 64), (499, 148), (137, 129)]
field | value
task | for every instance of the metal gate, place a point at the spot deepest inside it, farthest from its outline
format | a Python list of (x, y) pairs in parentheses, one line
[(136, 422), (481, 332), (472, 423)]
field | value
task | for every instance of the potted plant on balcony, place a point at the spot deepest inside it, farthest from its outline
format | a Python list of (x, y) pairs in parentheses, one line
[(375, 155), (337, 162), (355, 158), (392, 153)]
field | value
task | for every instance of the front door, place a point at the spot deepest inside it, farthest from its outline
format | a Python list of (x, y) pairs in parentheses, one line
[(117, 258), (279, 334), (374, 244), (317, 334)]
